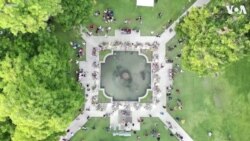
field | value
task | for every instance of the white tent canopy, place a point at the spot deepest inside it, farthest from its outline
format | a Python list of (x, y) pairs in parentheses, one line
[(149, 3)]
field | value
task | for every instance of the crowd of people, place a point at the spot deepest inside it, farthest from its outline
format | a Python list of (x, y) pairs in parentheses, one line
[(78, 47), (126, 46), (108, 16)]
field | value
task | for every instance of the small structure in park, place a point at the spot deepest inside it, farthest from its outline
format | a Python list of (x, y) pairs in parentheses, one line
[(147, 3)]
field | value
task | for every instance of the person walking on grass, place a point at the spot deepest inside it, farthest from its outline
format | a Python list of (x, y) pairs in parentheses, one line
[(160, 15)]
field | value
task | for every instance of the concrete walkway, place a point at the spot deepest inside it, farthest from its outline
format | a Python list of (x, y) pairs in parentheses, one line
[(94, 109)]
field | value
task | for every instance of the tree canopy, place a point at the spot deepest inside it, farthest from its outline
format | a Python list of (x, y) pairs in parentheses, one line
[(214, 38), (39, 96), (75, 12), (37, 92), (27, 15)]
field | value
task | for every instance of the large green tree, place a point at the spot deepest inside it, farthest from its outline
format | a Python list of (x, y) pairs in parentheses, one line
[(75, 12), (37, 92), (27, 15), (214, 38), (38, 95)]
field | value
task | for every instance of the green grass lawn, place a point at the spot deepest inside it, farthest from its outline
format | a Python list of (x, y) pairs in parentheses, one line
[(102, 98), (103, 53), (100, 133), (147, 53), (218, 104), (148, 98), (171, 54), (69, 35), (127, 9)]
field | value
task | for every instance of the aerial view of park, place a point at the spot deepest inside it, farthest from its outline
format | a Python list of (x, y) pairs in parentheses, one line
[(124, 70)]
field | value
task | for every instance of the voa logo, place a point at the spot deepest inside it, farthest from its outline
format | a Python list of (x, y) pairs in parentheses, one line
[(235, 9)]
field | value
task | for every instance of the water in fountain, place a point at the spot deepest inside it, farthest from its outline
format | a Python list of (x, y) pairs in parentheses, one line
[(125, 76)]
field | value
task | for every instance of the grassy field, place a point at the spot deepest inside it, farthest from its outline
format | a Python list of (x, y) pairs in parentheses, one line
[(99, 133), (102, 98), (148, 98), (147, 53), (127, 10), (215, 104), (176, 49), (218, 104)]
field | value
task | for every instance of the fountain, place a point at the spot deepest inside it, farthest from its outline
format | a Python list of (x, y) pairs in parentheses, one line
[(125, 76)]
